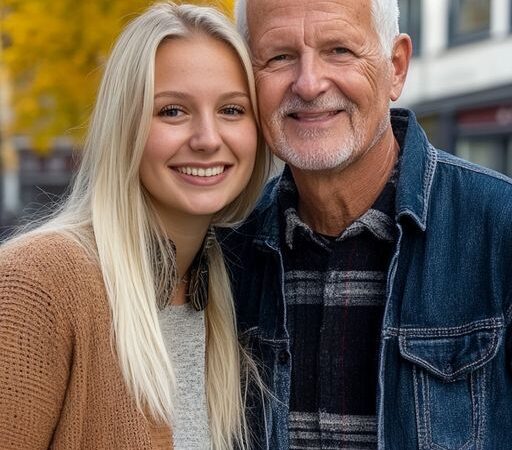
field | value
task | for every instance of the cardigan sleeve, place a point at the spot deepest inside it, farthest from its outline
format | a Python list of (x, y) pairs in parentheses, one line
[(35, 354)]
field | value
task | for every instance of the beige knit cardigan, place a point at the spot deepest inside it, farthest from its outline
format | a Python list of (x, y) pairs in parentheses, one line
[(60, 383)]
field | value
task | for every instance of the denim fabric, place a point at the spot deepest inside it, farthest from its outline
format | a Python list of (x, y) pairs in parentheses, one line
[(445, 373)]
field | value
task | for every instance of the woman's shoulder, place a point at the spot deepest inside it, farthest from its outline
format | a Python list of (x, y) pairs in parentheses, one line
[(43, 251), (53, 264), (48, 301)]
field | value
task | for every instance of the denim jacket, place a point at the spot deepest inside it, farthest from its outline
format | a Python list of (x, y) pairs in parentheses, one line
[(445, 374)]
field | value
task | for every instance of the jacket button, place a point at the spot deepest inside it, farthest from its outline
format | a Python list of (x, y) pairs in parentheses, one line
[(283, 357)]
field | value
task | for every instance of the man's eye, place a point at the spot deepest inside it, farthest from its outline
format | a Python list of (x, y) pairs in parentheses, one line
[(233, 110), (340, 50), (279, 58), (171, 111)]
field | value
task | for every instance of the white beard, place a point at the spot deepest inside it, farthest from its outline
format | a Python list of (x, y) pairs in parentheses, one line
[(316, 156)]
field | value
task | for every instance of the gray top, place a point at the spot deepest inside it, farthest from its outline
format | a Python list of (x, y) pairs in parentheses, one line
[(183, 330)]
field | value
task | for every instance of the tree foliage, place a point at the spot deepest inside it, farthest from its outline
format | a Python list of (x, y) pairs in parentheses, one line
[(54, 51)]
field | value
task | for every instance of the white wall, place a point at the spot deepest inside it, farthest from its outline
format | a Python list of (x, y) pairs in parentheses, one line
[(440, 71)]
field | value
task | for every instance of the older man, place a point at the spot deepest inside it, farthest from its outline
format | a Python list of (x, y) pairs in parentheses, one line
[(373, 280)]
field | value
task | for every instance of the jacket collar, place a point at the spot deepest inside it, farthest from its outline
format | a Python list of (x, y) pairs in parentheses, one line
[(267, 233), (417, 169), (416, 173)]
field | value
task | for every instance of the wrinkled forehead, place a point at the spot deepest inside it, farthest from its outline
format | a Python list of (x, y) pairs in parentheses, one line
[(265, 15), (271, 20)]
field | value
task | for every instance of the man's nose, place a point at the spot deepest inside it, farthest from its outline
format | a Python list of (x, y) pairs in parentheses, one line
[(205, 136), (310, 80)]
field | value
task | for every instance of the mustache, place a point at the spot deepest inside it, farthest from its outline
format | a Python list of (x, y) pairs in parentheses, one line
[(294, 104)]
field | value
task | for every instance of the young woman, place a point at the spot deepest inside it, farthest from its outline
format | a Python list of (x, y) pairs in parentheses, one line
[(117, 327)]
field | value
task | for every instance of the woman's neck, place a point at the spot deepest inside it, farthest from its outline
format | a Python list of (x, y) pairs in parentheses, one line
[(187, 236)]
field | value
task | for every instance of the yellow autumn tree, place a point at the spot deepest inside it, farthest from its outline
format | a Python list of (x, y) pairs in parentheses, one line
[(53, 52)]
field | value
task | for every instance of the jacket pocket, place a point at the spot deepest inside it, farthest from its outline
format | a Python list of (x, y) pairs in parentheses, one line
[(449, 373)]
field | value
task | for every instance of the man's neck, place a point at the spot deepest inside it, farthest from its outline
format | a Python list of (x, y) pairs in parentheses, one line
[(329, 201)]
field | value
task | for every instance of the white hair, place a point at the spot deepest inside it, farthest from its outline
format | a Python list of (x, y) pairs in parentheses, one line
[(385, 14), (111, 215)]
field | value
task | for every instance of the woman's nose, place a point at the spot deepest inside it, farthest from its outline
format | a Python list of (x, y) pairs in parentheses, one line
[(206, 136)]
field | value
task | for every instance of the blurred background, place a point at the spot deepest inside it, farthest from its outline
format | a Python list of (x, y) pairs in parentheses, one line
[(460, 81), (51, 59), (52, 52)]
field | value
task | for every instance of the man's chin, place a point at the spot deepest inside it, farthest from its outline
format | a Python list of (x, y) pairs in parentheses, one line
[(314, 160)]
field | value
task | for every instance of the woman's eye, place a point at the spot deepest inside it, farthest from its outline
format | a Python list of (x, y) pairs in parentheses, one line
[(233, 110), (171, 111)]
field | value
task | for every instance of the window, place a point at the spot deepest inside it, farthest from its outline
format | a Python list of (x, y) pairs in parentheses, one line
[(510, 17), (410, 21), (484, 136), (470, 20), (509, 158), (431, 124), (494, 152)]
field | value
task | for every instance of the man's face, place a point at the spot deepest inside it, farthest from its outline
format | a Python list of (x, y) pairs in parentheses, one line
[(323, 82)]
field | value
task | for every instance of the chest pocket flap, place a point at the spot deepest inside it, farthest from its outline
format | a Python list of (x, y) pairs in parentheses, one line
[(452, 352)]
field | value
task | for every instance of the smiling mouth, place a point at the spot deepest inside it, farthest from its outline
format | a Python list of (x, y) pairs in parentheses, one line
[(200, 171), (312, 116)]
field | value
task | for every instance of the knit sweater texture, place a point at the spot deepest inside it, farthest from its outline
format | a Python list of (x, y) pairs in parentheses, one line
[(61, 386)]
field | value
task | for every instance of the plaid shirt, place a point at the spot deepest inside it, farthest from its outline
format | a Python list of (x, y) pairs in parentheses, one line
[(335, 295)]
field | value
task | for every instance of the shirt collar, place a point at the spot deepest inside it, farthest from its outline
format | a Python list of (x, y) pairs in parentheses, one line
[(378, 220)]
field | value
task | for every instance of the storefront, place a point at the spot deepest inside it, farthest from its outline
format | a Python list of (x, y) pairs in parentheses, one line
[(476, 127)]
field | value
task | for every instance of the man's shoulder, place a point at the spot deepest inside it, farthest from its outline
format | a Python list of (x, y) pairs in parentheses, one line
[(475, 181), (474, 194), (268, 197), (262, 213), (259, 229), (468, 169)]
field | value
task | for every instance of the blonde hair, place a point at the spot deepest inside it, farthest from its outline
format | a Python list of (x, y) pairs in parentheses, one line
[(109, 212)]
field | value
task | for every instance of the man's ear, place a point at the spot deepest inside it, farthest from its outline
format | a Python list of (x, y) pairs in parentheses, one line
[(400, 58)]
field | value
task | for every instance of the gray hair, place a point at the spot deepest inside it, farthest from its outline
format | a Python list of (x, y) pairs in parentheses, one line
[(385, 15)]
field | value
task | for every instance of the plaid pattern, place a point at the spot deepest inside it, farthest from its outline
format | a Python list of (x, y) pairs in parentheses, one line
[(335, 295)]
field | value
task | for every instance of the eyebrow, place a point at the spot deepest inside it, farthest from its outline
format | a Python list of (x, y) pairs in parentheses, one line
[(185, 96)]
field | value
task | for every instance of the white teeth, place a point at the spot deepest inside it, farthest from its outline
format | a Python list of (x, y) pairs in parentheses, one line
[(200, 172)]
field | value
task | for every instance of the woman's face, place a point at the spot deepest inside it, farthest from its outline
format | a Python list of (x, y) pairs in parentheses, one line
[(202, 142)]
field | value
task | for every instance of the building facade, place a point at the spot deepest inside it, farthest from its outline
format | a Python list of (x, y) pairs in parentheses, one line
[(460, 79)]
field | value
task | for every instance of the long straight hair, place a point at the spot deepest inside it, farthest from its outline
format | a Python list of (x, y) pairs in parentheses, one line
[(110, 214)]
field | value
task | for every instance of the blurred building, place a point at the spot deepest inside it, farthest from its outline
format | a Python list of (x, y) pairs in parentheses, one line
[(34, 183), (30, 183), (43, 180), (459, 85), (9, 198), (460, 80)]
